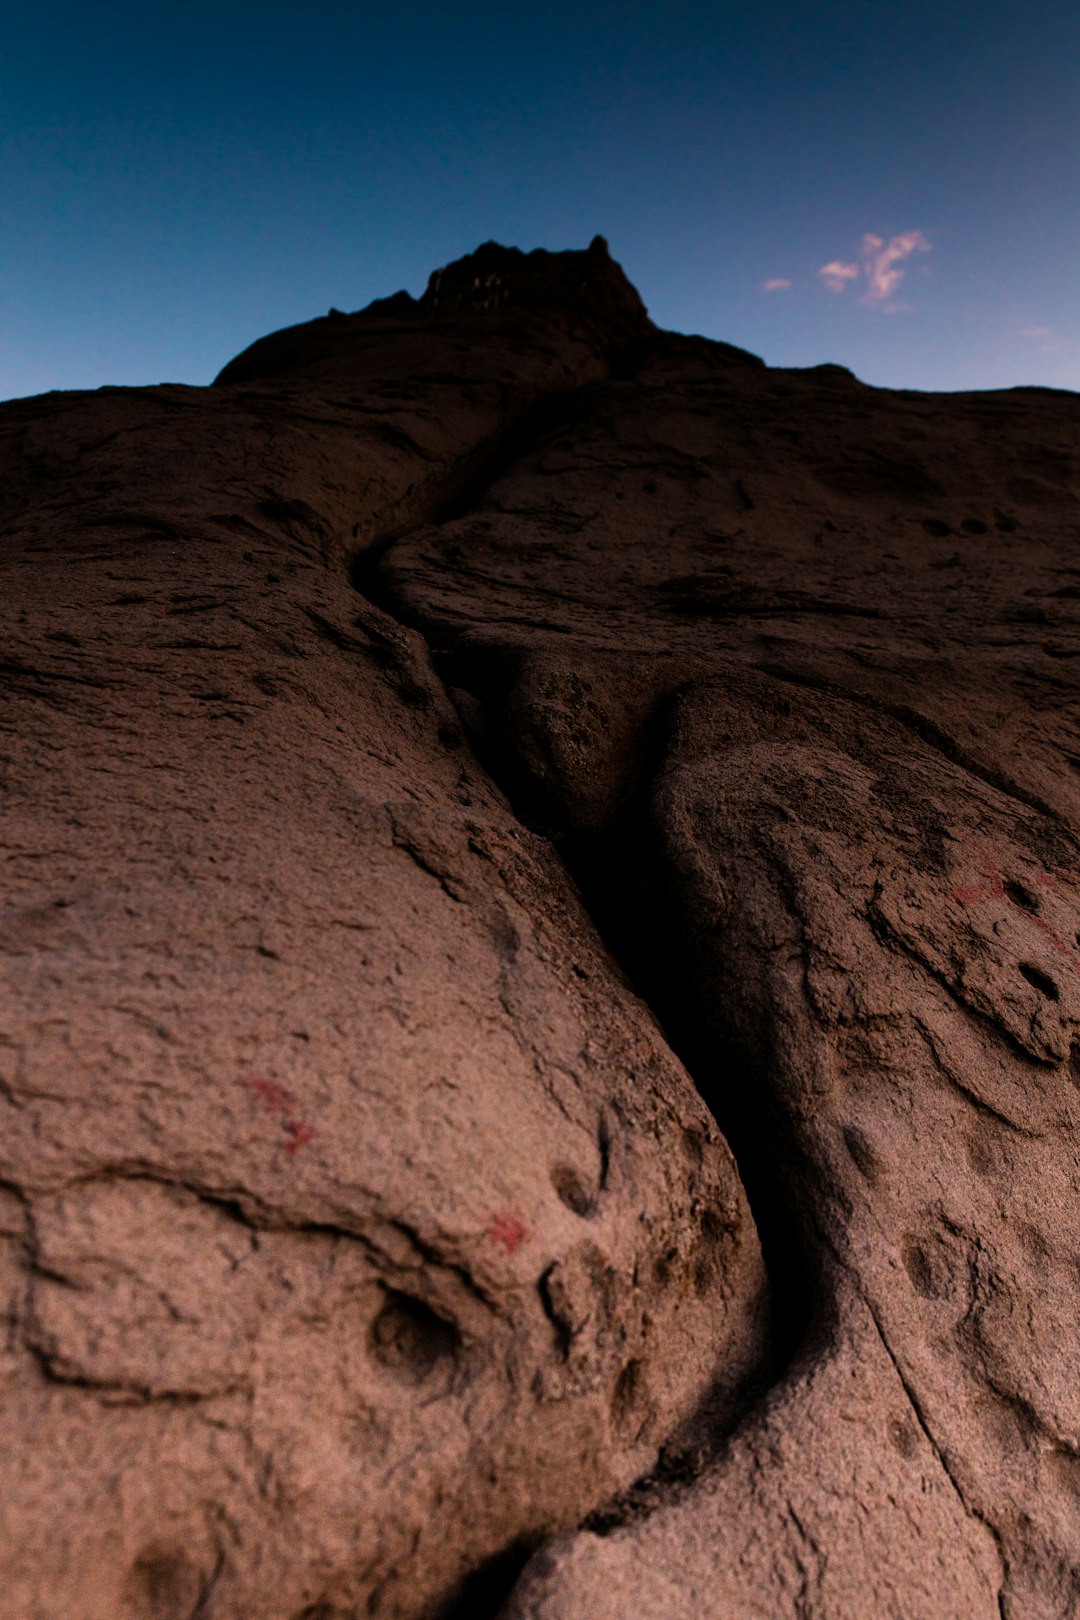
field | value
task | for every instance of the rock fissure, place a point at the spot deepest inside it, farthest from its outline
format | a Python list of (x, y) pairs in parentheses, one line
[(642, 960), (381, 969), (971, 1511)]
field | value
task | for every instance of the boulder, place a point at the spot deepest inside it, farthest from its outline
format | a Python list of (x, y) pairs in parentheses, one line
[(542, 983), (785, 667), (360, 1227)]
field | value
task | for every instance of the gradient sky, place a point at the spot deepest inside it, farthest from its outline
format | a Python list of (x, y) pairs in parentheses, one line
[(178, 180)]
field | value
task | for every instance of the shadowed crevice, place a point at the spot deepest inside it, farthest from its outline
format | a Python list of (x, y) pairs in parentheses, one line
[(639, 925)]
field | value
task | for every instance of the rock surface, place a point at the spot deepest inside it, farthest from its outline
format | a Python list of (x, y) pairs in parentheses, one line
[(359, 1225), (785, 666), (362, 1225)]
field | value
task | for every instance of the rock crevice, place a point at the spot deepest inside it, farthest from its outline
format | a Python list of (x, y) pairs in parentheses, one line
[(424, 751)]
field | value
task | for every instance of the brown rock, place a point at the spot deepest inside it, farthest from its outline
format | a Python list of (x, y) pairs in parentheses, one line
[(843, 863), (358, 1224), (829, 1500), (361, 1225)]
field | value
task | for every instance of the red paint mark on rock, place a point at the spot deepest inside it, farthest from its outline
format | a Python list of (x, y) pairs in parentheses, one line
[(994, 889), (507, 1227), (971, 896), (298, 1131), (269, 1093), (276, 1099), (1055, 939)]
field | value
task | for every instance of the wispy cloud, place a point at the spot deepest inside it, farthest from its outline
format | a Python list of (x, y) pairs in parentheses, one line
[(877, 267), (880, 261), (836, 275), (776, 284)]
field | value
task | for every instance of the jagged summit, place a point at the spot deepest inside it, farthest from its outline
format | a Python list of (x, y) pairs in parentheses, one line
[(541, 980), (495, 277), (585, 290)]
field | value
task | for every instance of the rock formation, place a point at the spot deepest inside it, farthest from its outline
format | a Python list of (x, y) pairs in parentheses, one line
[(494, 794)]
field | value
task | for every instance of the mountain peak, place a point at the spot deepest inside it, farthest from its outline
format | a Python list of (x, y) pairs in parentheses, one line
[(494, 277)]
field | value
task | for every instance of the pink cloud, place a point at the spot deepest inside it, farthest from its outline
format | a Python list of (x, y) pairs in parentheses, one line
[(777, 284), (836, 275), (880, 260), (878, 263)]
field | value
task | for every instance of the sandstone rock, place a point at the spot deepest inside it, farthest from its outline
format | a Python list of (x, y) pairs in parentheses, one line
[(829, 1500), (361, 1222), (785, 666), (359, 1226)]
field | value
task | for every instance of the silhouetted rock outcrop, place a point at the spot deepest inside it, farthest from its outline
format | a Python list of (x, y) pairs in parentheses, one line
[(464, 770)]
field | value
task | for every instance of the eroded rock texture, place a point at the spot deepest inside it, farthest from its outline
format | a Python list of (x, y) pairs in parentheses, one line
[(363, 1226), (785, 667), (359, 1223)]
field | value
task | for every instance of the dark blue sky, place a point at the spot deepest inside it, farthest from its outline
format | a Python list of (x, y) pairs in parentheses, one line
[(178, 180)]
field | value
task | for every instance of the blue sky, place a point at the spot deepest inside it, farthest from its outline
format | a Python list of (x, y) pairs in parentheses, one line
[(177, 180)]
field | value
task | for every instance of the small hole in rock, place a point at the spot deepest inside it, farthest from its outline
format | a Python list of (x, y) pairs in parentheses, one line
[(715, 1230), (903, 1437), (927, 1266), (1021, 897), (626, 1395), (409, 1340), (572, 1189), (1040, 981), (662, 1268), (163, 1585), (936, 527), (973, 526), (862, 1152)]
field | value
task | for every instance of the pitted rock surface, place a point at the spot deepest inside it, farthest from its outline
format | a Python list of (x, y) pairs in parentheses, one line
[(785, 665), (362, 1224), (359, 1224)]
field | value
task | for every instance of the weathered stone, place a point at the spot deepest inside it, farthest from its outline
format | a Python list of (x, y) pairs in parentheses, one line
[(791, 683), (355, 1210), (360, 1224)]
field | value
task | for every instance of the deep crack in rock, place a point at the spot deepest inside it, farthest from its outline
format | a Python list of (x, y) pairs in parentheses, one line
[(774, 671)]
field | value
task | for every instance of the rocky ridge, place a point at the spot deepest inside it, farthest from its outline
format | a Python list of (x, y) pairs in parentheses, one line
[(425, 751)]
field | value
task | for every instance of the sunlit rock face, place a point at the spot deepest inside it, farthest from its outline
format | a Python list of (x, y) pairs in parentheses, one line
[(540, 931)]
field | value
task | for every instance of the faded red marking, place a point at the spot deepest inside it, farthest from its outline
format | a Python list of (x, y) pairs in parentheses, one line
[(971, 896), (994, 889), (276, 1099), (1055, 939), (507, 1227), (269, 1093), (298, 1131)]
